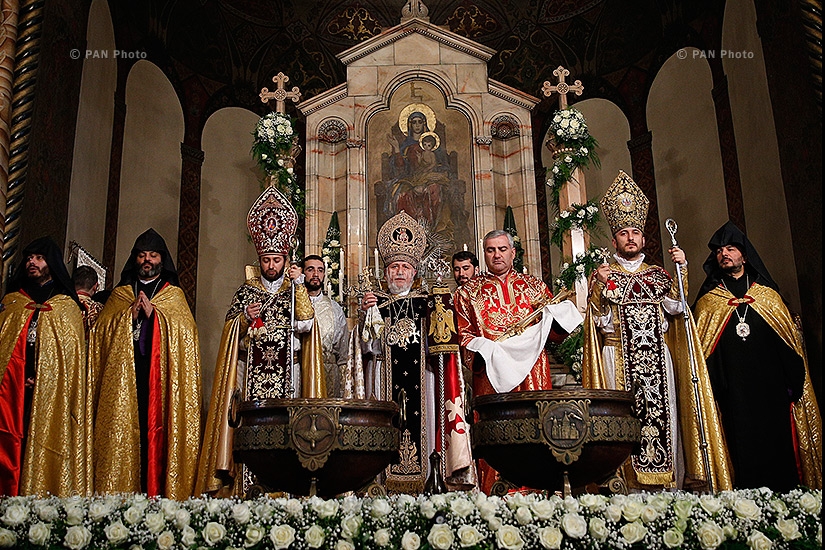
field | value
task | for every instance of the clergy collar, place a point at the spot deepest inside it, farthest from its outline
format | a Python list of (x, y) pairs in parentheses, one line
[(631, 266), (273, 286)]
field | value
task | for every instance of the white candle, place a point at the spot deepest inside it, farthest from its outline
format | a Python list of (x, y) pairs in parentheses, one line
[(465, 247), (326, 276), (480, 247), (341, 274), (377, 274), (360, 258)]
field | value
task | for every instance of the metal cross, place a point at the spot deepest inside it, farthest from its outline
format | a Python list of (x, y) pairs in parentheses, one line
[(269, 356), (563, 88), (280, 94)]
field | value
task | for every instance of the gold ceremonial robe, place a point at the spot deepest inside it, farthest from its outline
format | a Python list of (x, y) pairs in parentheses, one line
[(637, 297), (713, 312), (217, 472), (58, 453), (176, 378)]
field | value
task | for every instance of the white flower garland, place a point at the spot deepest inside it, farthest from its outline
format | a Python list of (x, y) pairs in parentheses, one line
[(756, 518)]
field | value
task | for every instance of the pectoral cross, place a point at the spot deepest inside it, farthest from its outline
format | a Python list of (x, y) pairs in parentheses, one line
[(563, 88), (280, 94)]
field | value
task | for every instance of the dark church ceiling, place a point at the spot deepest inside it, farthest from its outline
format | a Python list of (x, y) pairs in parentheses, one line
[(222, 52)]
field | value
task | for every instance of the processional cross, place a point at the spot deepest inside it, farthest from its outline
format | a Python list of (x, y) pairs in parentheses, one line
[(280, 94), (563, 88)]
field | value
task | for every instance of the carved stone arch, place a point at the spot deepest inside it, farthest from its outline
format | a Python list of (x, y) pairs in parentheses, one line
[(504, 126), (332, 130)]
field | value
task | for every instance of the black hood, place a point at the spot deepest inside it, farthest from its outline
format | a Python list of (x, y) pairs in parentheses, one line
[(149, 240), (47, 248), (726, 235)]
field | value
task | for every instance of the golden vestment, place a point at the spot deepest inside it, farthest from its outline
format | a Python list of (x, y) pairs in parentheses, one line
[(639, 295), (176, 379), (713, 312), (217, 472), (58, 453)]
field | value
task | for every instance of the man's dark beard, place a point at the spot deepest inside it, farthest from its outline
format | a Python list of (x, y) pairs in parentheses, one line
[(312, 287), (272, 279), (152, 272)]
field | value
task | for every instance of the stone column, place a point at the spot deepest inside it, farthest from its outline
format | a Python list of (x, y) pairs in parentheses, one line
[(189, 221)]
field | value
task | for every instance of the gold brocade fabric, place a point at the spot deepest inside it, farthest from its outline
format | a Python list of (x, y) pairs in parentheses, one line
[(713, 312), (58, 454), (117, 434), (593, 377), (217, 473)]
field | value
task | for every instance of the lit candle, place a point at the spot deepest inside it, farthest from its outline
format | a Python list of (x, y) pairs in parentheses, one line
[(377, 274), (524, 270), (465, 247), (341, 275)]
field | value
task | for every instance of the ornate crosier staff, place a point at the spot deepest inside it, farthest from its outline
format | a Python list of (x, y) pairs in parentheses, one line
[(294, 242), (671, 226)]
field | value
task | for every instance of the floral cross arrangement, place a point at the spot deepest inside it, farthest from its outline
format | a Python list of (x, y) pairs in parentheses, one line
[(578, 216), (274, 149), (331, 254), (573, 147), (753, 519)]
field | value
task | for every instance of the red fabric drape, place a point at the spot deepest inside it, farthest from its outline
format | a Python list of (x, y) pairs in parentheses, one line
[(12, 397)]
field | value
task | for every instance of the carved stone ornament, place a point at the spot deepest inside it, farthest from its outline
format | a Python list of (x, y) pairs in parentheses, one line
[(332, 131), (504, 127)]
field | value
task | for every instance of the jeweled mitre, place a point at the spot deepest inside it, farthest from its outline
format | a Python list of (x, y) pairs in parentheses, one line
[(624, 204), (402, 238), (272, 221)]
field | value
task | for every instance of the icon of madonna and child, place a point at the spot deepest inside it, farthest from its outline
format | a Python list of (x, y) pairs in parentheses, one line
[(420, 177)]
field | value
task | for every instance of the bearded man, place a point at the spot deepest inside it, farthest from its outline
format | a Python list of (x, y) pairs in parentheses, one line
[(45, 406), (145, 357)]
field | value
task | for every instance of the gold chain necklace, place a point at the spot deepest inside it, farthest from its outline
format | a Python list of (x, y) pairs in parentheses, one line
[(403, 331)]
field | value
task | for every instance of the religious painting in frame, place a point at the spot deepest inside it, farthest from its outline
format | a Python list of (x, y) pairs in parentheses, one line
[(419, 159)]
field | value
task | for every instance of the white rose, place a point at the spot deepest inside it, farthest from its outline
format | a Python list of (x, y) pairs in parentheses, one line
[(188, 536), (39, 534), (116, 532), (710, 535), (440, 501), (810, 504), (327, 508), (77, 537), (509, 538), (382, 537), (314, 536), (779, 507), (673, 538), (182, 518), (441, 537), (241, 513), (344, 545), (649, 514), (682, 508), (468, 536), (350, 526), (15, 515), (166, 540), (543, 509), (294, 508), (746, 508), (154, 521), (462, 507), (213, 507), (213, 533), (7, 538), (633, 532), (427, 509), (380, 508), (47, 513), (410, 541), (282, 536), (74, 514), (99, 509), (253, 535), (711, 504), (133, 515), (632, 510), (730, 531), (592, 502), (487, 508), (169, 507), (264, 510), (523, 515), (574, 525), (598, 529), (494, 523), (758, 541), (550, 538), (788, 528), (613, 513), (618, 499)]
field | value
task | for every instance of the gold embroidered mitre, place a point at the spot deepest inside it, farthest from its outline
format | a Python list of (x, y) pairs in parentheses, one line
[(272, 221), (624, 204), (401, 238)]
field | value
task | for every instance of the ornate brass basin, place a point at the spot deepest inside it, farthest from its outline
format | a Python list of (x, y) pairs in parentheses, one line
[(534, 438), (316, 446)]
